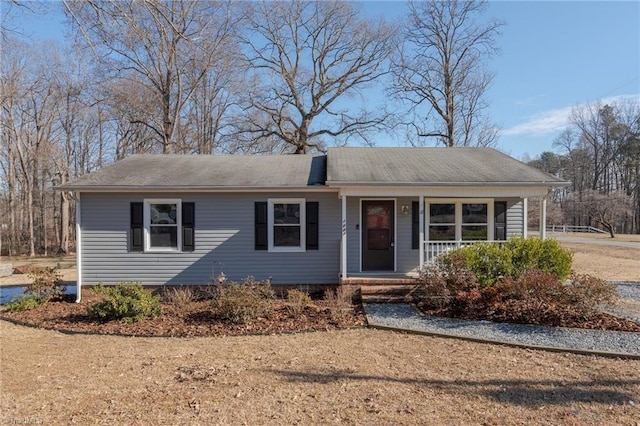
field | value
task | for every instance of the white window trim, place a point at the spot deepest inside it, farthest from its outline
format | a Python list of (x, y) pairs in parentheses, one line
[(303, 224), (147, 224), (458, 214)]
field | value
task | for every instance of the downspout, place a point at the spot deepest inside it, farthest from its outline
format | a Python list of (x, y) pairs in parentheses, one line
[(78, 248), (343, 251), (421, 230)]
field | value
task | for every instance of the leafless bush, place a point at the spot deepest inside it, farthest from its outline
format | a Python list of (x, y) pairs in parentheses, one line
[(340, 301), (178, 295), (241, 303), (298, 300)]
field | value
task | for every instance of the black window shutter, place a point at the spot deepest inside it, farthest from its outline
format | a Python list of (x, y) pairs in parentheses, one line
[(500, 220), (261, 242), (137, 226), (415, 225), (312, 216), (188, 226)]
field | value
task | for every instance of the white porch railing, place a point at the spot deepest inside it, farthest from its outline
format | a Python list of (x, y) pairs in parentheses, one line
[(433, 249)]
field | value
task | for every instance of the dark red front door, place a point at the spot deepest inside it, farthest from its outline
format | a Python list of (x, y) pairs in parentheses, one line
[(378, 236)]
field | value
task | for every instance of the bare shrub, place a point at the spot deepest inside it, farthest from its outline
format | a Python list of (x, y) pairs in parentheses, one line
[(178, 295), (340, 302), (46, 283), (587, 293), (241, 303), (441, 282), (298, 300)]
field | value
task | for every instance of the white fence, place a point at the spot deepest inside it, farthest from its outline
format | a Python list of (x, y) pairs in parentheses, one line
[(571, 228)]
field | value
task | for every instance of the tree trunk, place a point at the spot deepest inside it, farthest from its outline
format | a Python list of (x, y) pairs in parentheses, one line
[(64, 222)]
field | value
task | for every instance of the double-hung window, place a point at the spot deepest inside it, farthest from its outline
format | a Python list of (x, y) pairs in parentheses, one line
[(162, 224), (286, 224), (475, 222), (442, 222), (459, 220)]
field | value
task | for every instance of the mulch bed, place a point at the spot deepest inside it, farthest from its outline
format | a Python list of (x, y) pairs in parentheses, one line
[(188, 319), (196, 318)]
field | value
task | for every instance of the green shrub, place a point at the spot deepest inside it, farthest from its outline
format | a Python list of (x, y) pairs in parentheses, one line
[(241, 303), (298, 300), (130, 302), (487, 261), (542, 255), (46, 283), (25, 301)]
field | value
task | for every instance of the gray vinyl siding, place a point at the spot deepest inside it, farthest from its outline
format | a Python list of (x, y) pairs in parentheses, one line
[(224, 235), (407, 259), (514, 216)]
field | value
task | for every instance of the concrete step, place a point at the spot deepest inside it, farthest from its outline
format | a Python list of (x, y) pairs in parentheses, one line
[(387, 289), (386, 298)]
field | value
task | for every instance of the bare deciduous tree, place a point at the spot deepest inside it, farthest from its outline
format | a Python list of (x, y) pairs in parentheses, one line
[(441, 71), (166, 49), (311, 57), (606, 210)]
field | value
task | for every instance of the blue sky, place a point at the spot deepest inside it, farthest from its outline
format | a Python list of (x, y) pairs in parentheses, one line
[(555, 55)]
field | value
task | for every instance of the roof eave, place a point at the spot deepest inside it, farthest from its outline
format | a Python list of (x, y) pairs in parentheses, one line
[(189, 188), (482, 184)]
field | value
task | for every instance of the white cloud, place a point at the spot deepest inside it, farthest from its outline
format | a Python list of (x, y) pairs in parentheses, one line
[(542, 123), (555, 120)]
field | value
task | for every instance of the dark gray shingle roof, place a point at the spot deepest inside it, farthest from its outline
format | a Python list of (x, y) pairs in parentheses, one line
[(342, 166), (431, 166), (158, 172)]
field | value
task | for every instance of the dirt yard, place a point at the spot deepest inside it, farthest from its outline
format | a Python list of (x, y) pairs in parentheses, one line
[(358, 376)]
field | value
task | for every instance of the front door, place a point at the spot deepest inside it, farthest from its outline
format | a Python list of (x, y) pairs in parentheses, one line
[(378, 252)]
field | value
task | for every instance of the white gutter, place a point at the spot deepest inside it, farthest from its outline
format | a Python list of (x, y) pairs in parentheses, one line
[(470, 184), (78, 248), (191, 188)]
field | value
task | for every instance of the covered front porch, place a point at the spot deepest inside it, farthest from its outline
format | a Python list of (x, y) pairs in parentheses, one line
[(389, 235)]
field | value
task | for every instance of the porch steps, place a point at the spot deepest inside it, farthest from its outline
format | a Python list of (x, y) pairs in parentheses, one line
[(396, 293)]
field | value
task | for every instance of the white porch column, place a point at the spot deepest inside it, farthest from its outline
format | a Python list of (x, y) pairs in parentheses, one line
[(525, 216), (421, 229), (343, 247), (543, 218)]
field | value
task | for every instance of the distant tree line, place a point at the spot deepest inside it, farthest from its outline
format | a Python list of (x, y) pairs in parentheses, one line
[(600, 155)]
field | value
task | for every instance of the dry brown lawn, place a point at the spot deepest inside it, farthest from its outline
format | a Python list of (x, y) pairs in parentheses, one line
[(359, 376), (606, 262)]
